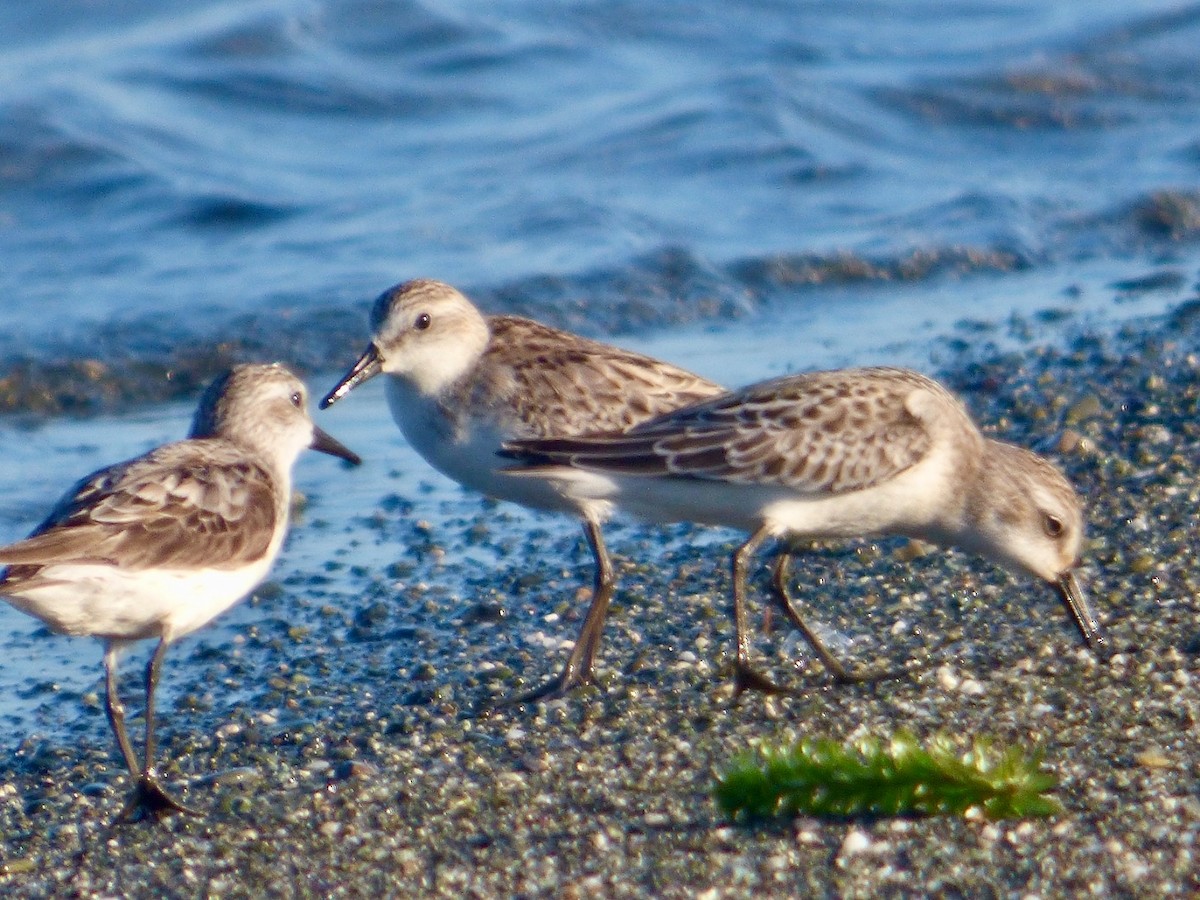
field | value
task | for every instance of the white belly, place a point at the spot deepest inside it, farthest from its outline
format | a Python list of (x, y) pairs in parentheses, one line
[(107, 602), (467, 453), (913, 503)]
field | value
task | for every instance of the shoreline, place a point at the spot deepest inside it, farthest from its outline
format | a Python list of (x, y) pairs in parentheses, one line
[(335, 751)]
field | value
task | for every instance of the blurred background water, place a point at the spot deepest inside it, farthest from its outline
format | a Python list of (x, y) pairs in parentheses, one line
[(742, 187), (185, 182)]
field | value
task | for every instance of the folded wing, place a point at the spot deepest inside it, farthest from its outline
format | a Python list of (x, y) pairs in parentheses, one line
[(192, 504), (817, 434), (565, 384)]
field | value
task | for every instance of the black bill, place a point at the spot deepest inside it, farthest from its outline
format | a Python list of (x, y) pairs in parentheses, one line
[(1085, 620), (326, 444), (368, 366)]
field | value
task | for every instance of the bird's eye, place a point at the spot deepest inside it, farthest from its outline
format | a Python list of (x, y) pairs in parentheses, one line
[(423, 322), (297, 399), (1052, 525)]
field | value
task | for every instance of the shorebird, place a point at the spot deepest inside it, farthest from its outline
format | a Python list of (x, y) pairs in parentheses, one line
[(461, 384), (839, 454), (156, 547)]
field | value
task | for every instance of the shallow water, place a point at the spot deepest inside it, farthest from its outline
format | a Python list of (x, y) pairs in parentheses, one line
[(744, 190), (185, 183)]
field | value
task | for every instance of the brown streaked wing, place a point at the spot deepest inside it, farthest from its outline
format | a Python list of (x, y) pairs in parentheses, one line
[(194, 504), (560, 383), (825, 432)]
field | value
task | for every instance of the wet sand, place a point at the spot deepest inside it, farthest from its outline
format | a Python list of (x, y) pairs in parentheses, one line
[(331, 731)]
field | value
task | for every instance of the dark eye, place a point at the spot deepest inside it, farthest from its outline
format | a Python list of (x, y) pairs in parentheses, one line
[(297, 400), (1052, 525), (423, 322)]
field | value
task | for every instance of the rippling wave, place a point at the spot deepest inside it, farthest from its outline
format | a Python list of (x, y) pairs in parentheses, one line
[(186, 184)]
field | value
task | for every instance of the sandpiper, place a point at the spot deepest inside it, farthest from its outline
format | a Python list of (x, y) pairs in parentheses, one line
[(461, 384), (157, 546), (869, 451)]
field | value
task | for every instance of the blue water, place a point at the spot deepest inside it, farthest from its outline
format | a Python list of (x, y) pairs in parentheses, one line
[(745, 188), (181, 174)]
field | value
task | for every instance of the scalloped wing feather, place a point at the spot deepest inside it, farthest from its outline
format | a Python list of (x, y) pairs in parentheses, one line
[(193, 504), (820, 433), (560, 383)]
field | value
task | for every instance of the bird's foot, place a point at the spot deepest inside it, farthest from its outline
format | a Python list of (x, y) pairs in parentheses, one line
[(553, 689), (150, 800), (746, 678)]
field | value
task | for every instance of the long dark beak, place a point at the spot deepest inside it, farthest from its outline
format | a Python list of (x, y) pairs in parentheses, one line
[(368, 366), (326, 444), (1085, 620)]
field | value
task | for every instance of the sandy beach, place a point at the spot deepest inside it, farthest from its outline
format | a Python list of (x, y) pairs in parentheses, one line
[(338, 745)]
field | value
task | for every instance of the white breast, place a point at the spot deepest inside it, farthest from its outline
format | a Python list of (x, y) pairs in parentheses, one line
[(466, 451)]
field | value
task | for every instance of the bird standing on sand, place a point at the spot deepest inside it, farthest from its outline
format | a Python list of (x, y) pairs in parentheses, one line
[(461, 384), (158, 546), (836, 454)]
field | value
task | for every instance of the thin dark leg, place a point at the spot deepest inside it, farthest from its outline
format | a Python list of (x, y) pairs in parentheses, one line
[(603, 584), (579, 668), (115, 709), (153, 669), (149, 797), (779, 583), (745, 676)]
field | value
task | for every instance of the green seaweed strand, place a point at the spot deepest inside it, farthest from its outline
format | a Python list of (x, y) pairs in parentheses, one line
[(874, 777)]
